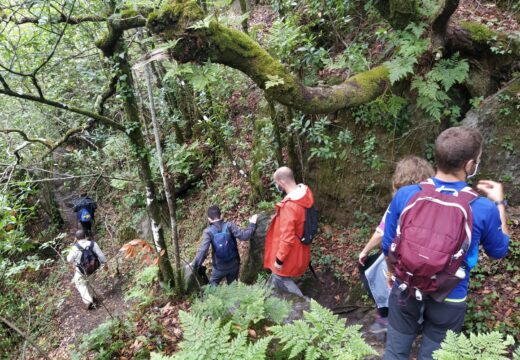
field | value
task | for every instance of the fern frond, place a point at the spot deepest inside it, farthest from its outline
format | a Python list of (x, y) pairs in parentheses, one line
[(490, 346)]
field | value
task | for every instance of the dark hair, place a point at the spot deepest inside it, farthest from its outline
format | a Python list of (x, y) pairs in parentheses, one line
[(80, 235), (456, 146), (83, 193), (214, 212)]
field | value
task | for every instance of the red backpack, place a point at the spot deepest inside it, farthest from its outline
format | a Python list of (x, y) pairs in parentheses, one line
[(432, 239)]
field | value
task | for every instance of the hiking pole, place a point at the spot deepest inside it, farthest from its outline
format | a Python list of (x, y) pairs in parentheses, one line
[(118, 273), (96, 295)]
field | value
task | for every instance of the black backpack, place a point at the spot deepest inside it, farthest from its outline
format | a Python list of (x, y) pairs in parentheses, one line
[(311, 225), (89, 262)]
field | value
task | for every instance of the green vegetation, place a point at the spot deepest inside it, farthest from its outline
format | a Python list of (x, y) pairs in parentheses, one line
[(161, 109)]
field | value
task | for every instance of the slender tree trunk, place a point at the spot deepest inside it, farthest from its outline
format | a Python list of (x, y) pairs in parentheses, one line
[(170, 98), (168, 186), (243, 9), (50, 205), (277, 131), (293, 160), (145, 173)]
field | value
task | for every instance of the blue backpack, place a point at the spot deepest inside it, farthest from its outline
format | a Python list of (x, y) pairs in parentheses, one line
[(84, 215), (224, 246)]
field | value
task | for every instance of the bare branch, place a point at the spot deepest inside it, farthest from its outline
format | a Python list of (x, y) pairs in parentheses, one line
[(16, 152), (61, 19), (108, 92), (44, 142), (4, 83), (37, 86), (24, 335), (102, 119)]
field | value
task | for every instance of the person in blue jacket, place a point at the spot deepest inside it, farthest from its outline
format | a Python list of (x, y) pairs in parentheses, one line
[(457, 155)]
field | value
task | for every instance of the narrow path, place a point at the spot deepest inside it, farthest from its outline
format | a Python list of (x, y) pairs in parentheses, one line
[(75, 320)]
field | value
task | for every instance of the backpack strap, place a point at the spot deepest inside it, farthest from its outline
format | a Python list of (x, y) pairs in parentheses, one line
[(78, 246)]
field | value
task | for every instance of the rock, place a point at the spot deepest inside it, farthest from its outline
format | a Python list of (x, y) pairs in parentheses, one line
[(194, 280), (498, 119), (253, 262)]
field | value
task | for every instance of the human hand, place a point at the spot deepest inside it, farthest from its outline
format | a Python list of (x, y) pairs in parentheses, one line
[(253, 219), (362, 257), (389, 280), (492, 189)]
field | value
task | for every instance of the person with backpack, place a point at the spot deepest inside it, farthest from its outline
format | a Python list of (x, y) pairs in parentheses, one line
[(86, 257), (408, 171), (85, 208), (222, 237), (433, 231), (287, 246)]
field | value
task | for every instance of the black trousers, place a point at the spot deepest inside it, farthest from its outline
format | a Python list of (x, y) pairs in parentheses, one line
[(403, 324), (87, 227)]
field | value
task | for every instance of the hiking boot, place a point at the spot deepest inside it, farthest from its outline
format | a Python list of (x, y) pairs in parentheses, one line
[(379, 326), (92, 306)]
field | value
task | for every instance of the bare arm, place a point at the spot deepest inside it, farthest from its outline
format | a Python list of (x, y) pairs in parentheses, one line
[(374, 242), (495, 192)]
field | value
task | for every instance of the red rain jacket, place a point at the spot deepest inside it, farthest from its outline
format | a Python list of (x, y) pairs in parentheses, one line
[(286, 230)]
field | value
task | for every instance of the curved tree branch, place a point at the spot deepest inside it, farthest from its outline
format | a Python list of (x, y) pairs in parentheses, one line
[(235, 49), (108, 92)]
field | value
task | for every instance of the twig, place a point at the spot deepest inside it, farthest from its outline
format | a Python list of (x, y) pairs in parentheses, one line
[(25, 336)]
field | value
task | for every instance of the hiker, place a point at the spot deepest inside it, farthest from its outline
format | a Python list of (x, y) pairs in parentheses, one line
[(85, 208), (222, 235), (409, 170), (285, 253), (86, 257), (436, 247)]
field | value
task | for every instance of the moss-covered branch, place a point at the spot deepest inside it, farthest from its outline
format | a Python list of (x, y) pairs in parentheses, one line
[(236, 49), (44, 142), (478, 40)]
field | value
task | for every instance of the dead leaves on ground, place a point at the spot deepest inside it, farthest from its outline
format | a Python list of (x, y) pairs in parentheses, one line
[(140, 247)]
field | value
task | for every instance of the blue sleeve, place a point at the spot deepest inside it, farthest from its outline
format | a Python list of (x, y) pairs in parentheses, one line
[(401, 198), (392, 217), (494, 241)]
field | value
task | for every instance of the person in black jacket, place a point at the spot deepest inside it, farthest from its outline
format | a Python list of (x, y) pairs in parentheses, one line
[(85, 209), (221, 236)]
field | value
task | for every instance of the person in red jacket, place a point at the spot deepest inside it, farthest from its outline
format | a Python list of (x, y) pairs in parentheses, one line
[(285, 255)]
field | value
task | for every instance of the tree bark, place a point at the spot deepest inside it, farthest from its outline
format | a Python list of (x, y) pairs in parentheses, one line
[(167, 183), (141, 153), (236, 49)]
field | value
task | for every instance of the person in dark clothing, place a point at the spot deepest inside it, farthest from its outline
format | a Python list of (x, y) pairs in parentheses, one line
[(85, 209), (222, 237)]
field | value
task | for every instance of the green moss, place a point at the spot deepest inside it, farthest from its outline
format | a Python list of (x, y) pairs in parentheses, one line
[(402, 13), (173, 19), (478, 32), (128, 13)]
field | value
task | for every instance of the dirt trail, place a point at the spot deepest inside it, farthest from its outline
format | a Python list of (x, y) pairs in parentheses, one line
[(74, 320)]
